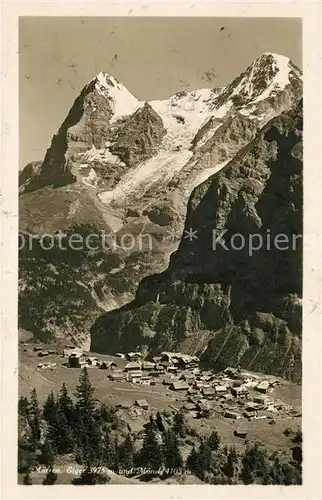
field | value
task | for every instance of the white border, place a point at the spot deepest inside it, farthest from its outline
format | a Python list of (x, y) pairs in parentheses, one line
[(310, 12)]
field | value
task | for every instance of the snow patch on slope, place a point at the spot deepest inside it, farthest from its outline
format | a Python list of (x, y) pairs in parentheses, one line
[(205, 174), (101, 155)]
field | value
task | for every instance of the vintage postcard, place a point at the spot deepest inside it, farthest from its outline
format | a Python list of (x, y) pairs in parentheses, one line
[(155, 301)]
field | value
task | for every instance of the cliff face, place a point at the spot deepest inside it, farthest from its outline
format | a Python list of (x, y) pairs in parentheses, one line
[(228, 302)]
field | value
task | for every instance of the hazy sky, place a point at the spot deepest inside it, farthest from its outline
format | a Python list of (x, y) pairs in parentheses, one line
[(156, 57)]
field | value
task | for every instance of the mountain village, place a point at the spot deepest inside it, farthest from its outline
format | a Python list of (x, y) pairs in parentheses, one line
[(233, 394)]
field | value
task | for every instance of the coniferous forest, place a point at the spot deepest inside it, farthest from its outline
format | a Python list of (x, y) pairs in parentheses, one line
[(88, 433)]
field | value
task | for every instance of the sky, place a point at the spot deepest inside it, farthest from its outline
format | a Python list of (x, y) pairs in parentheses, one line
[(152, 57)]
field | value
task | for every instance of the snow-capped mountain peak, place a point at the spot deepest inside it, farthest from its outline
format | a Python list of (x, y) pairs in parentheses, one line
[(122, 102), (267, 75)]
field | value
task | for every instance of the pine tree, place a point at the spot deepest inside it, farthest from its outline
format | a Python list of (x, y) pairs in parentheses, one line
[(116, 465), (203, 463), (214, 441), (179, 425), (85, 400), (51, 477), (50, 408), (23, 406), (65, 404), (172, 455), (254, 463), (94, 440), (230, 467), (151, 455), (27, 479), (34, 419), (34, 405), (126, 453), (159, 422), (191, 463), (109, 452), (34, 424), (47, 454), (60, 434)]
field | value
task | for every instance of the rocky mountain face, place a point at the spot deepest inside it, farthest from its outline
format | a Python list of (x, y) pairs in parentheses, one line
[(127, 168), (229, 302)]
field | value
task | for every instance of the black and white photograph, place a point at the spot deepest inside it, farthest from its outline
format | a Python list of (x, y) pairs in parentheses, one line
[(160, 251)]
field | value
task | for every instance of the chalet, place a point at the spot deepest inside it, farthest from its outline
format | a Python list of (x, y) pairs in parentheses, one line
[(92, 361), (107, 365), (249, 414), (134, 356), (134, 376), (147, 365), (117, 375), (159, 368), (168, 380), (190, 407), (231, 372), (144, 380), (199, 384), (120, 355), (156, 373), (240, 433), (187, 361), (141, 403), (76, 360), (46, 365), (240, 392), (169, 356), (132, 366), (221, 389), (172, 369), (69, 352), (38, 348), (237, 383), (203, 405), (263, 386), (179, 386), (208, 392), (251, 407), (260, 399), (189, 378), (231, 414), (41, 354), (156, 359)]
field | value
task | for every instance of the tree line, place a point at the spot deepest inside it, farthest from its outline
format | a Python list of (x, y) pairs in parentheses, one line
[(91, 433)]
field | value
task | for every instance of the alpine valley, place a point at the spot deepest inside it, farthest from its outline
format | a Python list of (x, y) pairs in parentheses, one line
[(147, 174)]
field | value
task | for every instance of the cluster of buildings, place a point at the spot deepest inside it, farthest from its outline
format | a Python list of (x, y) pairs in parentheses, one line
[(77, 358), (230, 394)]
